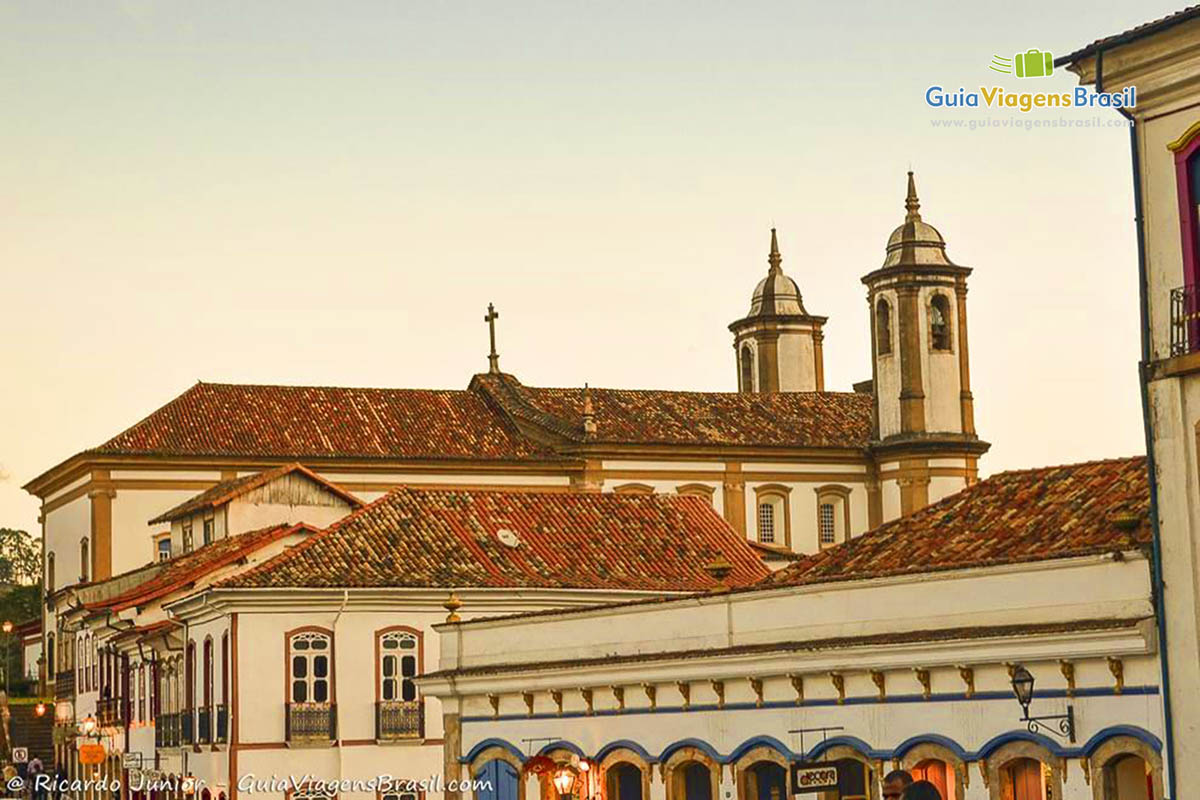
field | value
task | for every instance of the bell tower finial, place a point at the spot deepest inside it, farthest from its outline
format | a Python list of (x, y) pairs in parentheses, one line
[(911, 204), (774, 258)]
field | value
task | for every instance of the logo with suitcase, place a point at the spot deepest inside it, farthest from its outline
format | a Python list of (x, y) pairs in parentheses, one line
[(1032, 63)]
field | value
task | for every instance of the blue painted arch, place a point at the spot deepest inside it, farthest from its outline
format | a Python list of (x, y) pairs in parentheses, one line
[(761, 741), (699, 744), (996, 742), (853, 742), (900, 750), (1141, 734), (625, 744), (562, 744), (493, 742)]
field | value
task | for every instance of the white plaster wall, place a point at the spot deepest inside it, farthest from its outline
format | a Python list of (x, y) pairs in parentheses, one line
[(1059, 591), (890, 495), (943, 486), (802, 509), (797, 362), (245, 517), (132, 510), (64, 527)]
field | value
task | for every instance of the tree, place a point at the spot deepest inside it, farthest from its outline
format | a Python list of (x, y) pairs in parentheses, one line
[(20, 558)]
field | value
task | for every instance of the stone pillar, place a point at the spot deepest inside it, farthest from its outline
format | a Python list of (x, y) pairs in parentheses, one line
[(100, 549), (912, 391), (964, 362), (819, 358), (734, 499), (768, 362), (451, 753)]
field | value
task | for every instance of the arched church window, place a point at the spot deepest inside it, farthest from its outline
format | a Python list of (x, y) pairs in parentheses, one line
[(883, 327), (772, 515), (939, 322), (833, 515), (84, 561), (747, 369)]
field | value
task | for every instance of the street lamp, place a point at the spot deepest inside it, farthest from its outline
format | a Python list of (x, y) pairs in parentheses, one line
[(564, 782), (88, 725), (40, 709), (1022, 685)]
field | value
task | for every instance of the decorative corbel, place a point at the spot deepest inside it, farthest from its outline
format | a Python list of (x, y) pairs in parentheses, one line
[(923, 678), (1011, 668), (880, 682), (685, 691), (839, 685), (1086, 765), (1117, 667), (556, 695), (619, 696), (718, 688), (1068, 672), (651, 694), (968, 677), (494, 699), (983, 771), (757, 685), (798, 685), (528, 698), (586, 694)]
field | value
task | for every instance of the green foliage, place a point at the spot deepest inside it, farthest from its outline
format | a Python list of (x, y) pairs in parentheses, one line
[(20, 558)]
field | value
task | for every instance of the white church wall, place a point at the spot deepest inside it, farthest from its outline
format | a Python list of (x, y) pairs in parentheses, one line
[(940, 374)]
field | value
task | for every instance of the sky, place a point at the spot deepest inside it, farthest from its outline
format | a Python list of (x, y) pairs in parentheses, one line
[(331, 193)]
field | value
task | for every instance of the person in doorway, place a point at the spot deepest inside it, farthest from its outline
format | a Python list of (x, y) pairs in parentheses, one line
[(921, 790), (32, 773), (895, 782)]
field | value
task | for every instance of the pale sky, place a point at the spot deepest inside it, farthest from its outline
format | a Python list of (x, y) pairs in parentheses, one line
[(331, 193)]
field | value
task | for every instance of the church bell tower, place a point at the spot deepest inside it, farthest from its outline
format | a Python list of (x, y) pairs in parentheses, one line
[(924, 444), (778, 345)]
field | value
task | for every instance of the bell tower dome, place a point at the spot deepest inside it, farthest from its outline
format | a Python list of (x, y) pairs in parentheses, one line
[(778, 344), (924, 444)]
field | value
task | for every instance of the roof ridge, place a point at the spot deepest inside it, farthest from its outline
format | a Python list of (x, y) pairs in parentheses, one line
[(1066, 465)]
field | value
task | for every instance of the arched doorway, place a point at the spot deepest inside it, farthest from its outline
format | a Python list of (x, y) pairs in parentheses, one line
[(940, 774), (1023, 779), (691, 773), (765, 780), (692, 780), (1128, 777), (856, 780), (623, 781), (496, 780)]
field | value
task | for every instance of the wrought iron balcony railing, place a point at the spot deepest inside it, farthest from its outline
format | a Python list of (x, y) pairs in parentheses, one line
[(204, 722), (222, 732), (310, 722), (64, 685), (399, 719), (187, 727), (110, 712), (1185, 320), (166, 730)]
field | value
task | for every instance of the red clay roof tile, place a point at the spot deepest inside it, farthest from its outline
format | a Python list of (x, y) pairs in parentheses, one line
[(305, 422), (1011, 517), (448, 538)]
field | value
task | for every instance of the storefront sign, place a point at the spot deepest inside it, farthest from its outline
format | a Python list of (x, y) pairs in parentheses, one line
[(91, 754), (810, 778)]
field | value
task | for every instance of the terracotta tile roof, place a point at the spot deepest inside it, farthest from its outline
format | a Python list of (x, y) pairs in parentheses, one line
[(232, 489), (1011, 517), (626, 416), (311, 422), (1137, 32), (448, 538), (186, 569), (805, 645)]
